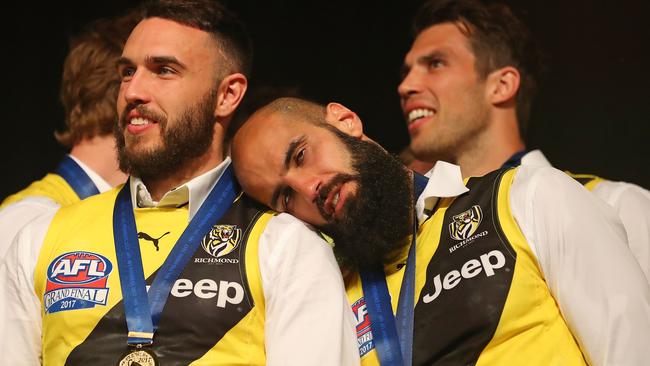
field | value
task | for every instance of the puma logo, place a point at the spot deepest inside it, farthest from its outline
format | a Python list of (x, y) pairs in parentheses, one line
[(145, 236)]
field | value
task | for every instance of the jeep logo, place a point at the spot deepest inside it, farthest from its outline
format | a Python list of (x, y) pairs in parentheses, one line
[(225, 292), (486, 262)]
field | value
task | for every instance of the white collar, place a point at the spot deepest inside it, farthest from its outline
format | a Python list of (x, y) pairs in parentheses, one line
[(445, 180), (535, 158), (98, 181), (193, 192)]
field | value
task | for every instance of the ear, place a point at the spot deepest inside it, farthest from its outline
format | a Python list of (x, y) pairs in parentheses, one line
[(503, 85), (344, 119), (230, 93)]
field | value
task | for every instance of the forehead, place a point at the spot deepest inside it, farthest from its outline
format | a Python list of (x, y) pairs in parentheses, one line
[(157, 36), (445, 38), (261, 146)]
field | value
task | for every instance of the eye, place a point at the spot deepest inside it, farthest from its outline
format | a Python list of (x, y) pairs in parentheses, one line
[(165, 70), (126, 71), (286, 199), (435, 63), (300, 157)]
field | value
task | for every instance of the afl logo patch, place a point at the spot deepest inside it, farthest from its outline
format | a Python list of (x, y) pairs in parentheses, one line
[(364, 331), (76, 280), (221, 240), (465, 223)]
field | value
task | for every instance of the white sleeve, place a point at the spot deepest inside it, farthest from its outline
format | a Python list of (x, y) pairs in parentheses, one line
[(581, 248), (16, 215), (308, 318), (20, 309), (632, 204)]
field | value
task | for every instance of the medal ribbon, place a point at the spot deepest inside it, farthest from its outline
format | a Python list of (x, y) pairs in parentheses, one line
[(393, 336), (514, 160), (143, 309), (76, 177)]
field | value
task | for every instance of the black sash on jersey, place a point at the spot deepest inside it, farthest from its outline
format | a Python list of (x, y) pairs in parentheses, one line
[(189, 326), (464, 293)]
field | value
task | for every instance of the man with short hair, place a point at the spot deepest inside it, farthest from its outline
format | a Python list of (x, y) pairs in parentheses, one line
[(469, 81), (88, 93), (176, 266), (522, 266)]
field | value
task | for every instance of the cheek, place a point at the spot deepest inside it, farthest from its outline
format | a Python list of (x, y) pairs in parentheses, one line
[(308, 213)]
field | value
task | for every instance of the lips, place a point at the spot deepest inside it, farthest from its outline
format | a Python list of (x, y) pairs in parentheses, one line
[(418, 113), (139, 124), (333, 196), (330, 204), (139, 119), (416, 117)]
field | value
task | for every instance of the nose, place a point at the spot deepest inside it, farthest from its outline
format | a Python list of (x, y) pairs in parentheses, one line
[(304, 184), (136, 89), (409, 85)]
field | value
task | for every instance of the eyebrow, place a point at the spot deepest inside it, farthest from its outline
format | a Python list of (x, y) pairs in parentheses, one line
[(423, 60), (293, 145), (156, 60), (124, 61)]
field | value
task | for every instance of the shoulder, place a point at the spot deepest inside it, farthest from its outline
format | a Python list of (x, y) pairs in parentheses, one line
[(287, 227), (33, 206), (27, 243), (18, 214), (287, 235), (538, 182), (621, 193)]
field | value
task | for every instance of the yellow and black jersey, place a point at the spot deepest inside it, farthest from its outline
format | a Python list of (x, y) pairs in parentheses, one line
[(214, 314), (52, 186), (480, 297)]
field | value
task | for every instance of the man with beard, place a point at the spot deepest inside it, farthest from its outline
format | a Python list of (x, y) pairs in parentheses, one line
[(176, 266), (468, 83), (521, 266)]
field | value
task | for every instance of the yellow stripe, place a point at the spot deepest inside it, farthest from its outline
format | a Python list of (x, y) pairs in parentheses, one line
[(595, 180)]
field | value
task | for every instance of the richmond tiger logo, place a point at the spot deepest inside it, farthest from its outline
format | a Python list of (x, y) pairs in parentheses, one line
[(221, 240), (465, 223)]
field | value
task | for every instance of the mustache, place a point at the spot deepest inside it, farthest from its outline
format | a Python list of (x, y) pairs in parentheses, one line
[(326, 189), (144, 112)]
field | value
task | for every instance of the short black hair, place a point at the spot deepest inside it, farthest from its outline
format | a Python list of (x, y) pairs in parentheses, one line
[(497, 38), (212, 17)]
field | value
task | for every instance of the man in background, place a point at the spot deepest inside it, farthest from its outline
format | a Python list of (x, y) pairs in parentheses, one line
[(468, 83), (88, 93)]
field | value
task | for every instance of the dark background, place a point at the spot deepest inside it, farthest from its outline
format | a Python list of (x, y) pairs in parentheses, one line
[(590, 116)]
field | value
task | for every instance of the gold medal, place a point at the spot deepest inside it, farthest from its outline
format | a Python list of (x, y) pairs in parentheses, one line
[(138, 357)]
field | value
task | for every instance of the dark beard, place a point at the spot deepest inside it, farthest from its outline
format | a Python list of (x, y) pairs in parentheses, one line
[(378, 218), (187, 138)]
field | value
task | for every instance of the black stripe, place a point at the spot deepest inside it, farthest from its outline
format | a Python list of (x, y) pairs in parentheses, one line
[(454, 325), (189, 326)]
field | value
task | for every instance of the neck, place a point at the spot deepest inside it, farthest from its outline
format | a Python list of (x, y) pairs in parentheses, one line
[(190, 170), (491, 149), (100, 155)]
